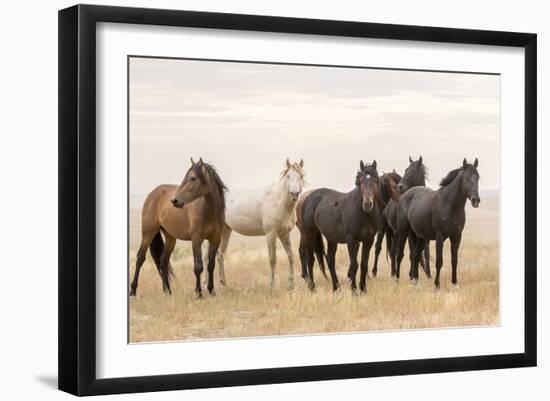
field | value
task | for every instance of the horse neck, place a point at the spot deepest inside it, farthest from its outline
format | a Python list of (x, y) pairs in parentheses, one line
[(385, 193), (454, 193), (214, 202)]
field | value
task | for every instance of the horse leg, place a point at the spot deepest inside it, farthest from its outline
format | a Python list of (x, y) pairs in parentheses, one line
[(412, 246), (226, 235), (353, 249), (271, 239), (418, 252), (140, 259), (455, 244), (393, 257), (285, 240), (170, 243), (303, 256), (331, 261), (438, 257), (389, 248), (377, 249), (426, 260), (309, 249), (212, 251), (198, 267), (365, 251), (400, 248)]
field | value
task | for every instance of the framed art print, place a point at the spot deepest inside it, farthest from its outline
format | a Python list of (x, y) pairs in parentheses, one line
[(252, 199)]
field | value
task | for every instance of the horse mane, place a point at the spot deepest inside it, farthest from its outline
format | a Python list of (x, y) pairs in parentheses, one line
[(424, 170), (450, 176), (213, 173), (369, 169), (396, 177)]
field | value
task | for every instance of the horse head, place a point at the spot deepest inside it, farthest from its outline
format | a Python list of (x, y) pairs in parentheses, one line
[(194, 185), (415, 175), (389, 185), (470, 182), (368, 183), (293, 178)]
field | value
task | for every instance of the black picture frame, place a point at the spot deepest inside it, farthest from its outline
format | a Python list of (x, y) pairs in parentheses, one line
[(77, 194)]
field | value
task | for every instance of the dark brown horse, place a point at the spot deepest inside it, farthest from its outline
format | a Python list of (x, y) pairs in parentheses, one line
[(415, 176), (351, 218), (438, 215), (193, 211), (389, 191), (319, 246)]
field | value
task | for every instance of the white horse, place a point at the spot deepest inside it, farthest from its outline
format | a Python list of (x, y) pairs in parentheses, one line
[(270, 212)]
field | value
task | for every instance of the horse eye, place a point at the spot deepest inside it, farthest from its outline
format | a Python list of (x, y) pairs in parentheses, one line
[(193, 178)]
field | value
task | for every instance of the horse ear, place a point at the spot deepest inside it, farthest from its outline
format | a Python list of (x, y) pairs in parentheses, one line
[(374, 164), (475, 163), (464, 163), (361, 165), (410, 159), (393, 171), (192, 162), (200, 161), (302, 162), (420, 161), (287, 163)]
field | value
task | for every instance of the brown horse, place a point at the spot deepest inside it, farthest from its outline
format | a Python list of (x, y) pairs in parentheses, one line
[(193, 211)]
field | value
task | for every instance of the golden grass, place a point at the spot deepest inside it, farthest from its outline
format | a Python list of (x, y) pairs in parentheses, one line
[(247, 307)]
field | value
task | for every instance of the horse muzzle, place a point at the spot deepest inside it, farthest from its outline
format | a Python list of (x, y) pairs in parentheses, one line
[(368, 206), (177, 203), (474, 200), (294, 196)]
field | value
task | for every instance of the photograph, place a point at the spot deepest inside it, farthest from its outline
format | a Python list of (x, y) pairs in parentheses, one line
[(272, 199)]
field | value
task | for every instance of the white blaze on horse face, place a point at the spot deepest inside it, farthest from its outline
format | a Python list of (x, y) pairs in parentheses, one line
[(295, 184)]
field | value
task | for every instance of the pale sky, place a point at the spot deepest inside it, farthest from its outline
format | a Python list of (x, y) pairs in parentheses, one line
[(246, 119)]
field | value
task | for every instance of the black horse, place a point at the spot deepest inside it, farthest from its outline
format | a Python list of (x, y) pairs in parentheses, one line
[(344, 218), (438, 215), (388, 191), (415, 176)]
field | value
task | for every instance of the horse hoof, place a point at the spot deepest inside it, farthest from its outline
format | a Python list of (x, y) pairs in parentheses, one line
[(222, 283), (212, 292), (132, 293), (455, 287)]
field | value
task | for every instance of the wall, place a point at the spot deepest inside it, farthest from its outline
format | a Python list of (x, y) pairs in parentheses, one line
[(28, 162)]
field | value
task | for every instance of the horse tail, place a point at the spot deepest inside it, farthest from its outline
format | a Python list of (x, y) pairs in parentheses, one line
[(319, 248), (156, 248)]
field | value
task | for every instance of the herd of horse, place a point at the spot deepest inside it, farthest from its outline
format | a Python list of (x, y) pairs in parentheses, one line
[(401, 209)]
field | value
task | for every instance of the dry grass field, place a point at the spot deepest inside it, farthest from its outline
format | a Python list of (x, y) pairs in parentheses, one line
[(246, 306)]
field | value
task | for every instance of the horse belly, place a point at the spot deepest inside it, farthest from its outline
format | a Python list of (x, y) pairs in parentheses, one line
[(176, 222), (330, 225), (420, 220)]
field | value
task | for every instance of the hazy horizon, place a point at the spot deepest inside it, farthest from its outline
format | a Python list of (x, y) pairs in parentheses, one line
[(246, 119)]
